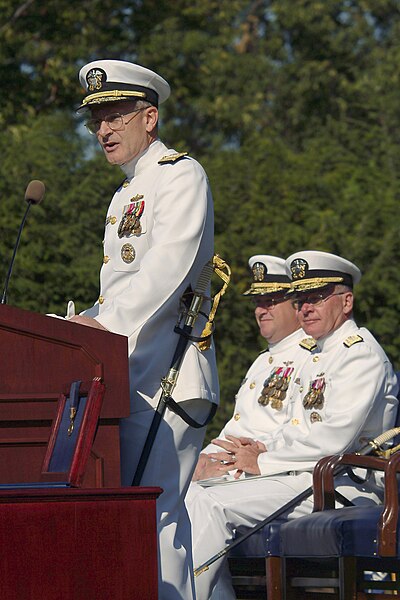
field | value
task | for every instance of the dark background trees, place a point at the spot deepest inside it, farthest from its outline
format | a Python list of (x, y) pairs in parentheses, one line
[(292, 107)]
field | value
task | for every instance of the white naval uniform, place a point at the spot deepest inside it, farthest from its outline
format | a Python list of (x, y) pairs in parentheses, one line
[(141, 299), (359, 401), (252, 419)]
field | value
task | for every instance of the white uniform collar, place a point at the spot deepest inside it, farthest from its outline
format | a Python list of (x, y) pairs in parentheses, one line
[(331, 340), (290, 340), (137, 164)]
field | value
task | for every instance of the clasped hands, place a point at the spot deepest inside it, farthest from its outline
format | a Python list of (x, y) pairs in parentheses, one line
[(237, 453)]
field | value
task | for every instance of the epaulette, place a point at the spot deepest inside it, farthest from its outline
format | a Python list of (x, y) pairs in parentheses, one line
[(308, 344), (352, 339), (172, 158)]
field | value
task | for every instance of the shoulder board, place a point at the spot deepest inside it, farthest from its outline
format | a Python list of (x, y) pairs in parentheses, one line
[(352, 339), (308, 344), (172, 158)]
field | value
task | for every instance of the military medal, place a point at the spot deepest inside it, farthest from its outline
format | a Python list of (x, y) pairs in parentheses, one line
[(268, 386), (275, 387), (128, 253), (281, 388), (315, 417), (315, 395), (130, 222)]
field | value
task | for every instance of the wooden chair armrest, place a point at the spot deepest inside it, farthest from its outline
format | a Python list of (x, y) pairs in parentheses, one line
[(328, 467), (324, 498), (387, 544)]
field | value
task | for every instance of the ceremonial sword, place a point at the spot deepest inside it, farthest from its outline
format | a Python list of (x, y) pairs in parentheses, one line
[(168, 382)]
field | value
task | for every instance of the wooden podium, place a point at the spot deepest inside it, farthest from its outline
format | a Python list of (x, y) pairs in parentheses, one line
[(96, 542), (40, 357), (76, 544)]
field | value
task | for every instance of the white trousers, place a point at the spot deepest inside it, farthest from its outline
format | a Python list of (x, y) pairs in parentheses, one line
[(170, 466), (217, 512)]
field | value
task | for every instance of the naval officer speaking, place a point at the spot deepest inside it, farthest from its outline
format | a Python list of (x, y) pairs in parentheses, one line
[(158, 236)]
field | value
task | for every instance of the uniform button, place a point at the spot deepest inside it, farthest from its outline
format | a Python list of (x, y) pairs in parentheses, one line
[(271, 360), (252, 385), (237, 417), (106, 259), (113, 220), (295, 421), (301, 389), (101, 299), (315, 358)]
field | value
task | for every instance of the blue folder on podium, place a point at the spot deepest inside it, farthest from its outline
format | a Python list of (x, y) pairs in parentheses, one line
[(71, 437)]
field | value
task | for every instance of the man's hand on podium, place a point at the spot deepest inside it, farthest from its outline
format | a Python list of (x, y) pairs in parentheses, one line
[(88, 321)]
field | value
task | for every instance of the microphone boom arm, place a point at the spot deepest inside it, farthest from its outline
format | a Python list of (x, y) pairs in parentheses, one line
[(10, 268), (33, 195)]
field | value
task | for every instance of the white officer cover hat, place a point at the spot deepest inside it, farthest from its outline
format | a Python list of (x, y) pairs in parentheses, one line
[(114, 80), (312, 269), (269, 275)]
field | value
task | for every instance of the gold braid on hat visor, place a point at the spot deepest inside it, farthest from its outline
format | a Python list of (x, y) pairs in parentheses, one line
[(314, 283), (267, 288), (111, 96)]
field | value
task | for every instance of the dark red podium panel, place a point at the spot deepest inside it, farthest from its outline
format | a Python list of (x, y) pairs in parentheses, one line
[(78, 544), (40, 357)]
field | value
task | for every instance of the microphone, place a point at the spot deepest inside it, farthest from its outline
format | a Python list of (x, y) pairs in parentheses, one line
[(33, 195), (34, 192)]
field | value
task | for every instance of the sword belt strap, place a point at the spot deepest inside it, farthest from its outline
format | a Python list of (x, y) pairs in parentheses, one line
[(178, 410)]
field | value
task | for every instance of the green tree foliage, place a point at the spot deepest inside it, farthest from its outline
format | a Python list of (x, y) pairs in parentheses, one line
[(60, 251), (292, 107)]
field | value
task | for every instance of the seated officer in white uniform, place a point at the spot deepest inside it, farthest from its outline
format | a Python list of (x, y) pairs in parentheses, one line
[(345, 392), (263, 400), (158, 237)]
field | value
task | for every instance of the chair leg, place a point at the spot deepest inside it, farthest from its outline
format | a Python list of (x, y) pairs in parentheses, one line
[(347, 578), (273, 572)]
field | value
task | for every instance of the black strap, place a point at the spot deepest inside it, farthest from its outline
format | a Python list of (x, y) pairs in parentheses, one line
[(178, 410), (342, 499), (192, 338), (356, 478)]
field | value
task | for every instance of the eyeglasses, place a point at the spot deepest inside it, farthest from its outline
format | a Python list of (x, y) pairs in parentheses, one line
[(115, 122), (315, 299), (269, 303)]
